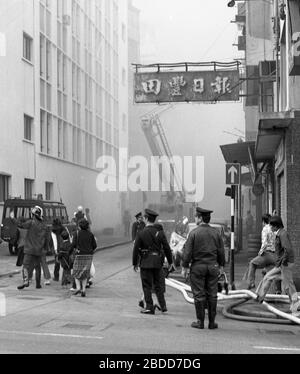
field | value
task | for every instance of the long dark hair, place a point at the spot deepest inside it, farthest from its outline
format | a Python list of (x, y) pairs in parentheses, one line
[(266, 218)]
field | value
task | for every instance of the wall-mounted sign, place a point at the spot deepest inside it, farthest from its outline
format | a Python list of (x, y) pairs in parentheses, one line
[(294, 57), (233, 173), (220, 85), (294, 52)]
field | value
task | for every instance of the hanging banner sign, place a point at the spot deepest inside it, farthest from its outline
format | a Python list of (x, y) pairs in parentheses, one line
[(220, 85)]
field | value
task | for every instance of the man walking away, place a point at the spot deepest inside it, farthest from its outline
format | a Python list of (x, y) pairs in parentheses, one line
[(35, 242), (64, 258), (284, 265), (137, 226), (204, 253), (147, 249)]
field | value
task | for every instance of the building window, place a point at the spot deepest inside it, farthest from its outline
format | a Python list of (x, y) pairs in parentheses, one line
[(27, 47), (49, 93), (49, 134), (4, 187), (28, 121), (49, 190), (42, 56), (46, 132), (48, 60), (60, 138), (28, 188)]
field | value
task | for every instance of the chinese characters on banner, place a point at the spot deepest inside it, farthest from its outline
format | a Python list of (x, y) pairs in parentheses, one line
[(220, 85)]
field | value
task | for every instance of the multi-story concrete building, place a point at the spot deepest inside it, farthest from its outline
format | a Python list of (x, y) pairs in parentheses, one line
[(272, 31), (137, 142), (63, 100)]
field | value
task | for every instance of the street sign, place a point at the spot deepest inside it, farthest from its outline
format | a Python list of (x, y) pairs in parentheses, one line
[(209, 86), (233, 174)]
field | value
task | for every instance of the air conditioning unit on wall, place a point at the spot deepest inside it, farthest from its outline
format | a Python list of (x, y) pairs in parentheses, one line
[(267, 70)]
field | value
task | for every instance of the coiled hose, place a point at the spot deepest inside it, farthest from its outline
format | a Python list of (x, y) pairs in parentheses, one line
[(227, 312), (242, 296)]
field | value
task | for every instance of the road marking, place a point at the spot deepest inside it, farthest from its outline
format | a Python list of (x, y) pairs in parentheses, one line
[(277, 348), (51, 334)]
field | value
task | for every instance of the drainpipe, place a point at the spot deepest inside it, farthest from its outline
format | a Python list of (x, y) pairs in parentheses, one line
[(287, 52), (277, 54)]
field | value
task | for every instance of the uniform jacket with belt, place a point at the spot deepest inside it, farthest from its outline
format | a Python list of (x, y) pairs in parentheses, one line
[(283, 248), (204, 246), (150, 248)]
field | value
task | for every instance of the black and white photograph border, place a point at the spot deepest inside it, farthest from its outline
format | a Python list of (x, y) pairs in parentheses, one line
[(149, 173)]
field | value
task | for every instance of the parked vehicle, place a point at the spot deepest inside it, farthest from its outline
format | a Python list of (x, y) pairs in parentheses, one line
[(22, 208), (177, 241)]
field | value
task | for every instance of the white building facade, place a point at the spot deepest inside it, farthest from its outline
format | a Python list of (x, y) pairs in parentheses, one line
[(63, 100)]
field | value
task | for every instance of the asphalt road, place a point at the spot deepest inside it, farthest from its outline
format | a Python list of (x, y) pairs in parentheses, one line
[(108, 320)]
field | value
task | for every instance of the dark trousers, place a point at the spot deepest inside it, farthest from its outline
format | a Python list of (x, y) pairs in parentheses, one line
[(31, 263), (20, 256), (204, 282), (153, 278), (13, 249), (66, 277), (56, 269)]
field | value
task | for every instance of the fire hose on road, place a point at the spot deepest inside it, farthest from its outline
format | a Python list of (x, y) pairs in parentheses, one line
[(246, 295)]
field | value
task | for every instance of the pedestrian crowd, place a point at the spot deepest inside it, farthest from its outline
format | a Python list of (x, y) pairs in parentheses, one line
[(203, 258), (73, 251)]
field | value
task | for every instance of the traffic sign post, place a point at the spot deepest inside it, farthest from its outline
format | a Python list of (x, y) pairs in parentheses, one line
[(233, 177), (232, 238), (233, 174)]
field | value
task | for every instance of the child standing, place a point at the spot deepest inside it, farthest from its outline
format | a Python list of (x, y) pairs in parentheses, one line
[(64, 258)]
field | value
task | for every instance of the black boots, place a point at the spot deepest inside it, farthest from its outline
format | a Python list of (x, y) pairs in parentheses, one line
[(212, 311), (200, 313)]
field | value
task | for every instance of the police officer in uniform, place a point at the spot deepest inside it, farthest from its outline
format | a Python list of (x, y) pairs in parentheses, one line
[(137, 226), (148, 247), (204, 252)]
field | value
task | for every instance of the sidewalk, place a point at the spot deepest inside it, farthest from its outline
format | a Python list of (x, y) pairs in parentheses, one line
[(8, 262)]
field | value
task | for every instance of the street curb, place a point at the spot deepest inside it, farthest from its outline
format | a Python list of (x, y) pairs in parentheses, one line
[(15, 272)]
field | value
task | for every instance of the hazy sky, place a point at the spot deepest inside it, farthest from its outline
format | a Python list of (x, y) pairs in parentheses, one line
[(195, 31), (187, 30)]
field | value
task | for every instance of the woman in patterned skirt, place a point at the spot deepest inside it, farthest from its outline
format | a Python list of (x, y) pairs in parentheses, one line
[(85, 244)]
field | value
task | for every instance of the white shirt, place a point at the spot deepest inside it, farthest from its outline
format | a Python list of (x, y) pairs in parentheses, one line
[(54, 239), (267, 239)]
